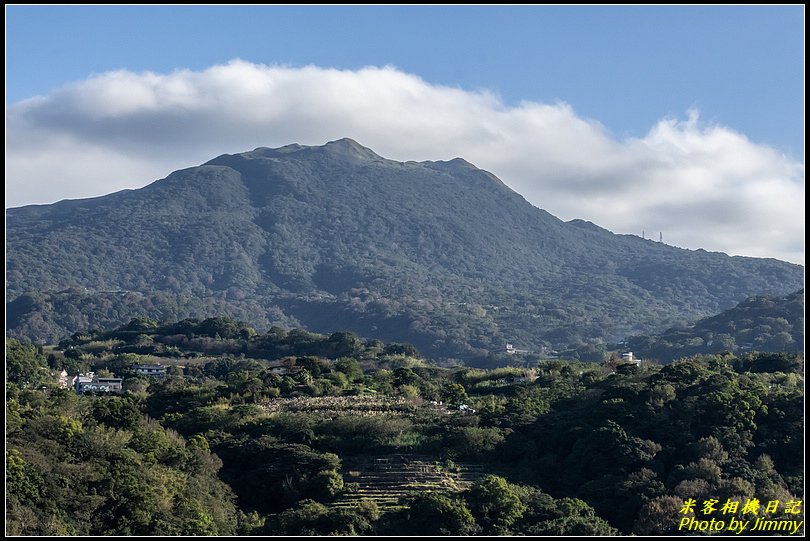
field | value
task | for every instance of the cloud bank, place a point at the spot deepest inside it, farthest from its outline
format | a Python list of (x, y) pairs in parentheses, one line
[(703, 186)]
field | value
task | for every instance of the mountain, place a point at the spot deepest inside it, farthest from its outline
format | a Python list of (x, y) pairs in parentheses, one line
[(762, 323), (439, 254)]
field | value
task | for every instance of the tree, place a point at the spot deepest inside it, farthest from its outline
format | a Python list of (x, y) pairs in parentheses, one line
[(436, 514), (495, 505), (405, 376), (141, 324), (659, 516), (326, 485), (476, 442), (454, 394), (576, 518), (345, 344), (360, 519), (25, 365), (307, 518), (350, 367), (314, 366), (401, 349), (116, 412), (225, 327)]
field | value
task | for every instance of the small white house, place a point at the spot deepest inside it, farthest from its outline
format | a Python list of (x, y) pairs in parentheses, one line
[(512, 350), (86, 383), (151, 370), (630, 359)]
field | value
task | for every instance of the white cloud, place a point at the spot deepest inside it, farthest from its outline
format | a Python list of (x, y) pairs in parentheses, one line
[(701, 185)]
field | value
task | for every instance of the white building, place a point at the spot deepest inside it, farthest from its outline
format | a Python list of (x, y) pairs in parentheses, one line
[(91, 383), (151, 370), (511, 350), (629, 359)]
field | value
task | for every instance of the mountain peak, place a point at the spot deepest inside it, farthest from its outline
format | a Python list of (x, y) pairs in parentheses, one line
[(436, 253), (346, 148), (585, 224), (350, 147)]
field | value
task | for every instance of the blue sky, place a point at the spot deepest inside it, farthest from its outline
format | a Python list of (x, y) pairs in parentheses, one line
[(683, 119), (623, 66)]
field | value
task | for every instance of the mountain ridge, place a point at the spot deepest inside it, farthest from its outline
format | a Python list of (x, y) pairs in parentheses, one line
[(335, 237), (760, 323)]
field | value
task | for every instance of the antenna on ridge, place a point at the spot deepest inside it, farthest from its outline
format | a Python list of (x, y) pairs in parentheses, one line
[(660, 236), (642, 234)]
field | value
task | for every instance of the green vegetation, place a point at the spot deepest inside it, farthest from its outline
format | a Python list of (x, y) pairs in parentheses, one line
[(97, 466), (759, 323), (438, 254), (296, 433)]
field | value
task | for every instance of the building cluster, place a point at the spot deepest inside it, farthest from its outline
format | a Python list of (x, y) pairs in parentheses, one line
[(93, 383)]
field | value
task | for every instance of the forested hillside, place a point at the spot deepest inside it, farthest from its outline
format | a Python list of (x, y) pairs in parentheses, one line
[(294, 432), (439, 254), (759, 323)]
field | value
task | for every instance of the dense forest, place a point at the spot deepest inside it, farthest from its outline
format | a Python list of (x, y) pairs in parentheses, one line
[(442, 255), (294, 432), (761, 323)]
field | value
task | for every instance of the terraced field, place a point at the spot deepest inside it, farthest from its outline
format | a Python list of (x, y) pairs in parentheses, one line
[(334, 406), (385, 480)]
